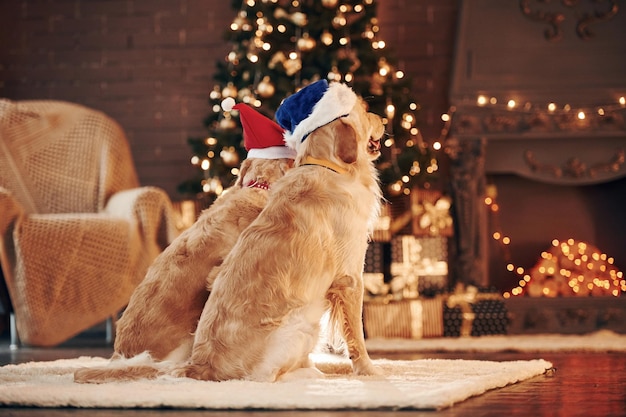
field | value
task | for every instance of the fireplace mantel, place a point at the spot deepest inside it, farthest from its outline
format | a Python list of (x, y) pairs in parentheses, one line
[(539, 90)]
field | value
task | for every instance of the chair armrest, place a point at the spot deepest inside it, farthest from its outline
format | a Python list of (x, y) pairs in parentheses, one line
[(150, 208)]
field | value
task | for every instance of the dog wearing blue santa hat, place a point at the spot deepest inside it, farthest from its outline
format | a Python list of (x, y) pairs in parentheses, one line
[(158, 324), (303, 256)]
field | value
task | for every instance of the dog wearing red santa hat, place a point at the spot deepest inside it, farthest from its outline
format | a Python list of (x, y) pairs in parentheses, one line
[(163, 311), (303, 255)]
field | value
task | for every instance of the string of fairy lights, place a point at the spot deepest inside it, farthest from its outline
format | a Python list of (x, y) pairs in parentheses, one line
[(569, 267), (261, 90)]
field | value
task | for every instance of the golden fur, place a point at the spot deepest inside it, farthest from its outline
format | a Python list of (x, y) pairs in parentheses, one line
[(304, 254), (164, 309)]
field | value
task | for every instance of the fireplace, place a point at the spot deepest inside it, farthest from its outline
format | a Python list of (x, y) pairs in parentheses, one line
[(536, 124)]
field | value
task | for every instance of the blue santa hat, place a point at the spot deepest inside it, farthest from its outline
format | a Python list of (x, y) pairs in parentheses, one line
[(312, 107)]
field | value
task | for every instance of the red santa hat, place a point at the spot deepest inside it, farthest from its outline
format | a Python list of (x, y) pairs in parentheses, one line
[(262, 137)]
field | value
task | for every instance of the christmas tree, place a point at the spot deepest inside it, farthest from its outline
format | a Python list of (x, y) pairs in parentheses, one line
[(280, 46)]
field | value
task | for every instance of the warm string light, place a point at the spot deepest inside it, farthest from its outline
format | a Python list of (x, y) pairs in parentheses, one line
[(258, 33), (570, 268), (551, 107), (581, 285)]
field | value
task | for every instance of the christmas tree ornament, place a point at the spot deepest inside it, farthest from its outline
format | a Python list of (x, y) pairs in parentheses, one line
[(213, 185), (232, 58), (237, 23), (306, 43), (216, 93), (227, 123), (265, 88), (297, 18), (292, 66), (230, 90), (229, 156), (278, 57), (245, 95), (339, 21), (327, 38), (334, 74), (296, 43)]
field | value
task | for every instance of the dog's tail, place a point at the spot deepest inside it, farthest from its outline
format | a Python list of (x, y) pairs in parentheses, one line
[(141, 366)]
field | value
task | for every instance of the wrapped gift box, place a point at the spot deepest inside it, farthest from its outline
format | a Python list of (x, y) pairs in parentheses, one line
[(376, 269), (478, 318), (430, 213), (409, 319), (419, 265)]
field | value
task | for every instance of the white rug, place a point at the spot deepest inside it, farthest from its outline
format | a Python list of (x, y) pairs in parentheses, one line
[(419, 384), (600, 341)]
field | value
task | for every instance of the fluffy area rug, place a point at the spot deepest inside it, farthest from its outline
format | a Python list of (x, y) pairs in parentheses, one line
[(600, 341), (428, 384)]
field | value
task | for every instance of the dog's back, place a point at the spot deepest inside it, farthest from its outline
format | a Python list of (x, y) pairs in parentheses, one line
[(262, 317), (164, 309)]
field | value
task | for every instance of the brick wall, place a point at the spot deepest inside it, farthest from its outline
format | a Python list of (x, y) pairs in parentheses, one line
[(149, 64)]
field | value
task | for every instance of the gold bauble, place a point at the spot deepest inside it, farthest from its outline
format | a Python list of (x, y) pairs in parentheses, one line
[(216, 94), (229, 91), (265, 88), (395, 189), (292, 66), (246, 95), (306, 43), (230, 156), (326, 38), (339, 21), (227, 123), (299, 19)]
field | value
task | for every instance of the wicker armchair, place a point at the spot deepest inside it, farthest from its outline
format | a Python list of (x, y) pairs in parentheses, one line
[(77, 233)]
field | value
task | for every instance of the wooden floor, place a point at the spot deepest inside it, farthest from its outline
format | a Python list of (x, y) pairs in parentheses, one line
[(584, 384)]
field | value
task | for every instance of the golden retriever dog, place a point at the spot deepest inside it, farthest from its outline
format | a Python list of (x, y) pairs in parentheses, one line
[(163, 311), (302, 256)]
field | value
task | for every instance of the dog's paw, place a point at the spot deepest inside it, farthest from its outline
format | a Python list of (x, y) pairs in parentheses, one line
[(302, 373), (366, 367)]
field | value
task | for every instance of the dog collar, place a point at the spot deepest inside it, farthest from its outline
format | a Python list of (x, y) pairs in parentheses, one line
[(309, 160), (264, 185)]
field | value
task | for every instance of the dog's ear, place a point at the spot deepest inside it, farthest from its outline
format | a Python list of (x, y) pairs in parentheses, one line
[(243, 170), (345, 142)]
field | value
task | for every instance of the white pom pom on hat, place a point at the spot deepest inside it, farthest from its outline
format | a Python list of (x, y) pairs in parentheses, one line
[(228, 103), (262, 137)]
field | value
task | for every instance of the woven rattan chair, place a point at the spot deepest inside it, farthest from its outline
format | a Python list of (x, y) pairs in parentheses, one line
[(77, 233)]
